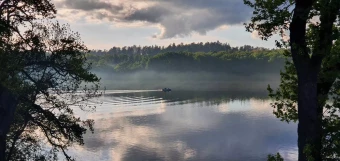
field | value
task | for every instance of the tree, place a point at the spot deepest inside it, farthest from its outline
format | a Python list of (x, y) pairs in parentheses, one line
[(311, 56), (286, 97), (7, 115), (42, 67)]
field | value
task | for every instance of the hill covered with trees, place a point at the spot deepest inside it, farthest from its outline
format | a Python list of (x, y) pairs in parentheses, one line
[(190, 57), (196, 67)]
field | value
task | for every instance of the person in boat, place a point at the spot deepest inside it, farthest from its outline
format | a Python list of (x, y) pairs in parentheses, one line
[(166, 89)]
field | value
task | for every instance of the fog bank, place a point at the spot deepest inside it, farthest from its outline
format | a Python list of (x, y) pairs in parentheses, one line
[(186, 81)]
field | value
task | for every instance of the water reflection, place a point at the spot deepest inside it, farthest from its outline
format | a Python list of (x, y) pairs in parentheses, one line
[(143, 126)]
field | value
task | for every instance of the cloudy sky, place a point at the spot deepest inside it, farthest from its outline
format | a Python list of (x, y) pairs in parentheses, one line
[(107, 23)]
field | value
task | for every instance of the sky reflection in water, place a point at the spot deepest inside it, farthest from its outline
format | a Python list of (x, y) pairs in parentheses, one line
[(150, 126)]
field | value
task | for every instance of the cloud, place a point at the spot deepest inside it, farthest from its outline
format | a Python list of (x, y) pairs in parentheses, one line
[(89, 5), (151, 14), (175, 18)]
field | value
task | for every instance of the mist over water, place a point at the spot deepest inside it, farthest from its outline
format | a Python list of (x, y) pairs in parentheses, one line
[(218, 108), (187, 81), (185, 125)]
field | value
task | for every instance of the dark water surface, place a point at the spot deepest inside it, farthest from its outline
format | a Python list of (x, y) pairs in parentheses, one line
[(176, 126)]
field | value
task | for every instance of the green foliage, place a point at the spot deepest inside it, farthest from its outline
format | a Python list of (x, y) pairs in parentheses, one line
[(285, 105), (276, 157), (270, 17), (314, 53), (192, 47), (259, 60), (285, 102)]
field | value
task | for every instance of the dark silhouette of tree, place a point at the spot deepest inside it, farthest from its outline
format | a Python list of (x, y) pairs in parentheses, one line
[(309, 79), (42, 67)]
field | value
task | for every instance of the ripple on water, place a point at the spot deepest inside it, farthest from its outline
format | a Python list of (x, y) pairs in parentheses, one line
[(156, 126)]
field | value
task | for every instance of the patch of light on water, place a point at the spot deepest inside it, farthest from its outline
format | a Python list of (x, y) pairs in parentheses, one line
[(158, 126)]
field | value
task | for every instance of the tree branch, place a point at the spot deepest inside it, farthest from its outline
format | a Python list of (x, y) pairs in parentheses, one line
[(324, 44), (53, 143), (3, 3), (16, 137), (297, 28)]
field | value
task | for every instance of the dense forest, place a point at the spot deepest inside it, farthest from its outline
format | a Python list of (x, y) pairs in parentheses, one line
[(189, 57), (192, 47), (198, 66)]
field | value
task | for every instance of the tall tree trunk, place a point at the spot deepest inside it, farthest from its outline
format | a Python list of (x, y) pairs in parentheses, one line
[(309, 127), (8, 103), (310, 118)]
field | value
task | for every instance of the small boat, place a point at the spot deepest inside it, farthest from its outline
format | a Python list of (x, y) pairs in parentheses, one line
[(166, 90)]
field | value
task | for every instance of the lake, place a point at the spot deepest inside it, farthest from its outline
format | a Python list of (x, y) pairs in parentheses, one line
[(185, 125)]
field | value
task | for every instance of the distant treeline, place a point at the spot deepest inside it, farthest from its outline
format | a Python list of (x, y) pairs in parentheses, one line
[(246, 68), (242, 62), (193, 47)]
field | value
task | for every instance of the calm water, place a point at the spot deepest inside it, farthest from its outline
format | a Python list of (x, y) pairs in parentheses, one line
[(197, 126)]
